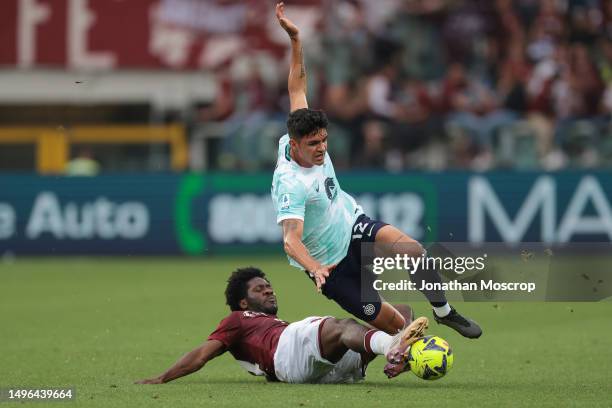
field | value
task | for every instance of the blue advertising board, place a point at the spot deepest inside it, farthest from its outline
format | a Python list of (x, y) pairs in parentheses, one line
[(202, 214)]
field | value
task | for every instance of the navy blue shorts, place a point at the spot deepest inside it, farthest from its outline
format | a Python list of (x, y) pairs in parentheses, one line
[(347, 284)]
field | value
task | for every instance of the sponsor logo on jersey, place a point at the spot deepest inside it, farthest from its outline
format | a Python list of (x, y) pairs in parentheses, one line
[(369, 309)]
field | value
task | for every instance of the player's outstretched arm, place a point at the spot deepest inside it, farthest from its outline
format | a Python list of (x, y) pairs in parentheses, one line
[(293, 229), (297, 70), (189, 363)]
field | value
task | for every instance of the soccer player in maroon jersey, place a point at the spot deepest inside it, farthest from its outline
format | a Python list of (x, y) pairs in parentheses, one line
[(313, 350)]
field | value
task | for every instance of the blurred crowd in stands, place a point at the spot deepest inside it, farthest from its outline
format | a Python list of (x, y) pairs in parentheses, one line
[(437, 84)]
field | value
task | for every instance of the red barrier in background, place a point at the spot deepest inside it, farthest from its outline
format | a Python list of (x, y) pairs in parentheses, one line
[(151, 34)]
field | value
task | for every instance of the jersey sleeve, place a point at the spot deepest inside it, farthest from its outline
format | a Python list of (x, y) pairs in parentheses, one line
[(229, 330), (290, 200)]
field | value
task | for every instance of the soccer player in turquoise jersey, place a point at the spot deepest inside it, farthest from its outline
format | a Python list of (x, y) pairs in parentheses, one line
[(323, 226)]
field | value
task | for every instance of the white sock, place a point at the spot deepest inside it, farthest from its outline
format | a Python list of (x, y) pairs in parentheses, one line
[(379, 342), (442, 311)]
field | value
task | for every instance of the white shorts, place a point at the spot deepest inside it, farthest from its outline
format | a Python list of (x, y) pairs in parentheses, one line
[(298, 359)]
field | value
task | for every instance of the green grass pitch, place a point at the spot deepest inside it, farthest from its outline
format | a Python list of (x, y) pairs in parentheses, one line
[(99, 324)]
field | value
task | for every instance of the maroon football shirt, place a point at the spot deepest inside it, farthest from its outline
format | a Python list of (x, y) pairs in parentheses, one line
[(251, 337)]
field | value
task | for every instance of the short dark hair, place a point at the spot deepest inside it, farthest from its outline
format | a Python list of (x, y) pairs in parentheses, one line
[(302, 122), (237, 285)]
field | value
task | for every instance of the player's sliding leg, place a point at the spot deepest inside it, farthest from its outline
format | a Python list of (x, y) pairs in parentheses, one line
[(397, 356), (395, 242), (340, 335)]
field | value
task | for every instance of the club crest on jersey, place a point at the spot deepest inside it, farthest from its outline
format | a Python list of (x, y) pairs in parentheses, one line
[(285, 202), (330, 188)]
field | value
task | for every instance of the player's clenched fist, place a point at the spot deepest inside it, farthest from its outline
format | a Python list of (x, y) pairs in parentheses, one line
[(287, 25), (320, 274)]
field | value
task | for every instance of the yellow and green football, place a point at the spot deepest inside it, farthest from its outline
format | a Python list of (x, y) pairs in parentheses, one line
[(430, 358)]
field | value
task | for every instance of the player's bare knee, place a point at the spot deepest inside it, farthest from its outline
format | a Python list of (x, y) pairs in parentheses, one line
[(347, 322), (333, 328), (416, 250), (409, 247), (345, 325)]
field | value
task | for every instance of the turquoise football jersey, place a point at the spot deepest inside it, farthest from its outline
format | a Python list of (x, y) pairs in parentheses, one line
[(314, 196)]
